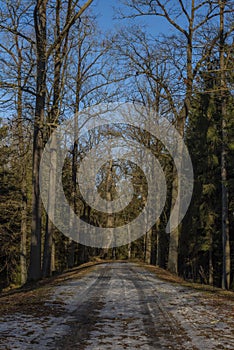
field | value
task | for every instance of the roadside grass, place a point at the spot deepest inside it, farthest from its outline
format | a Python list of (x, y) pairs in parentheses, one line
[(207, 289), (32, 296)]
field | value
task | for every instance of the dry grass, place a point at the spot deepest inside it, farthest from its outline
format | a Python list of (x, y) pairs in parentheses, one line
[(32, 296), (169, 277)]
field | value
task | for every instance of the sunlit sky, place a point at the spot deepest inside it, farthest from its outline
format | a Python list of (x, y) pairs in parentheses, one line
[(106, 13)]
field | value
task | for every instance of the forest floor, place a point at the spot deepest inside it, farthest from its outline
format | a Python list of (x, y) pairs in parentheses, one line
[(116, 306)]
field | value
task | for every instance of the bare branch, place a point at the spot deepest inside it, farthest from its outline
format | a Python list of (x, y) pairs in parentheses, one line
[(6, 85), (184, 9), (16, 32), (170, 20), (67, 27)]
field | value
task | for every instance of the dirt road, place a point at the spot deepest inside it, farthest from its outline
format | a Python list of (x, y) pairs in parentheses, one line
[(123, 306)]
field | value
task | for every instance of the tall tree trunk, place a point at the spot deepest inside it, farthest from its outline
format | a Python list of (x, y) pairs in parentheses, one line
[(53, 122), (225, 222), (160, 246), (109, 183), (176, 192), (23, 240), (23, 228), (148, 247), (211, 269), (48, 245), (129, 250), (180, 124), (40, 29), (70, 253), (172, 264), (71, 250)]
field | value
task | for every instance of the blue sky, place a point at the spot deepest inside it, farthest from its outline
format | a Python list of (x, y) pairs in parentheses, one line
[(106, 13)]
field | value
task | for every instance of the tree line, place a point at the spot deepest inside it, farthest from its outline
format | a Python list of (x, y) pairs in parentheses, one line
[(56, 61)]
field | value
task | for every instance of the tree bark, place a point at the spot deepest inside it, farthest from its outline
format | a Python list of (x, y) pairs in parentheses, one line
[(40, 29), (211, 268), (225, 221), (148, 246), (53, 122), (23, 240), (180, 124), (23, 229)]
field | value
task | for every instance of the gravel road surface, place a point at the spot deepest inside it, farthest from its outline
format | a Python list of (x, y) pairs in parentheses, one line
[(122, 306)]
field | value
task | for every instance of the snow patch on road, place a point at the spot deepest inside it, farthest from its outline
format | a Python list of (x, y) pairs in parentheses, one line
[(120, 322), (208, 326), (27, 332)]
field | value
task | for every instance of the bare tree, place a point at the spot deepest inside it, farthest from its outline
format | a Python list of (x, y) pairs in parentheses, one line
[(43, 53), (59, 70), (192, 55), (17, 54)]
